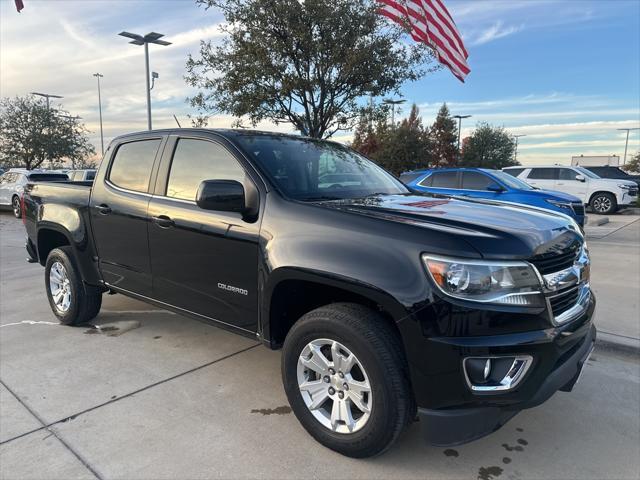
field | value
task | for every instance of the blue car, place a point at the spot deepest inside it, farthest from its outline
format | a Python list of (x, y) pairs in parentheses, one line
[(492, 185)]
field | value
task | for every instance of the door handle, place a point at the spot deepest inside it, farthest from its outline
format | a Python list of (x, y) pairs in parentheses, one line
[(163, 221), (104, 209)]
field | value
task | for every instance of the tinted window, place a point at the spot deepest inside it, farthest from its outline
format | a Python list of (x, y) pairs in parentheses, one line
[(567, 174), (48, 177), (544, 173), (91, 175), (198, 160), (476, 181), (514, 171), (409, 177), (131, 169), (445, 180), (608, 172), (307, 169)]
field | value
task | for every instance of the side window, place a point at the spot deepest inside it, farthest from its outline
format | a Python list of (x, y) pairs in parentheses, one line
[(4, 178), (514, 171), (198, 160), (567, 174), (445, 180), (427, 182), (91, 175), (131, 167), (476, 181), (544, 173)]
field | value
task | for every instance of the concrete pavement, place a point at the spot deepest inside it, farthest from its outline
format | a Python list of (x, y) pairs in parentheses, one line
[(174, 398)]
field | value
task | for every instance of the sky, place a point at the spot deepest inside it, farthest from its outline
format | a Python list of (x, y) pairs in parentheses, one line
[(565, 73)]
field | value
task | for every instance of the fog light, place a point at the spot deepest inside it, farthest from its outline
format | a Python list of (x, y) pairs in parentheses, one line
[(491, 374)]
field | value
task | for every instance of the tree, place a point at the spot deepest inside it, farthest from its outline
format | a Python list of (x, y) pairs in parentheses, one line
[(488, 147), (444, 138), (406, 146), (31, 133), (308, 63), (633, 165)]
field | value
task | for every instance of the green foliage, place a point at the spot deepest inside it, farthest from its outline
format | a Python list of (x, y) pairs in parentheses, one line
[(308, 63), (405, 147), (488, 147), (633, 165), (444, 136), (31, 134)]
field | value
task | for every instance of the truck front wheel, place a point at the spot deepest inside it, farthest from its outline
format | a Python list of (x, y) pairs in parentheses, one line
[(346, 379), (73, 302), (604, 203)]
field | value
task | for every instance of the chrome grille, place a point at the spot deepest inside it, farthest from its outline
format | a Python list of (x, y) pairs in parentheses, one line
[(563, 301), (555, 261)]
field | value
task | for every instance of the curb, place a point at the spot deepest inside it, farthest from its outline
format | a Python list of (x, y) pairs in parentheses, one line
[(620, 343), (598, 222)]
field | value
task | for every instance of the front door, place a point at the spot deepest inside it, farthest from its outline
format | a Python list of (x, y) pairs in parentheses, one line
[(203, 261), (567, 183), (118, 209)]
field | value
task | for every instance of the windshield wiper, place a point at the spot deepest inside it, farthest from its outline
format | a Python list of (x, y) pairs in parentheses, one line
[(318, 198)]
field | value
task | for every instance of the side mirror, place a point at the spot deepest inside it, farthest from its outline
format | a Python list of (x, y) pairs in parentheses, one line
[(581, 178), (221, 195), (495, 188)]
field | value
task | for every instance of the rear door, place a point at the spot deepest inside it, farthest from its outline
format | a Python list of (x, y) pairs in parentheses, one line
[(445, 183), (203, 261), (6, 188), (543, 177), (118, 209)]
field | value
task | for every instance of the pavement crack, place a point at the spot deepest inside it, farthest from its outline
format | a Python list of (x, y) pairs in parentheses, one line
[(46, 426), (53, 432)]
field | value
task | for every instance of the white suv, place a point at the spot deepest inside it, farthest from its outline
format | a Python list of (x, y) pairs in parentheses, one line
[(12, 184), (603, 195)]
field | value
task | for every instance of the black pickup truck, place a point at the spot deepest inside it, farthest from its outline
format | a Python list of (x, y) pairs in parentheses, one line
[(388, 306)]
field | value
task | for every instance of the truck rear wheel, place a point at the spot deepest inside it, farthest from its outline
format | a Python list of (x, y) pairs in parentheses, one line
[(73, 302), (345, 375)]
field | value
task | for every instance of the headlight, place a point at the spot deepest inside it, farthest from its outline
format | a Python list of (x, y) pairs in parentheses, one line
[(560, 204), (625, 186), (500, 283)]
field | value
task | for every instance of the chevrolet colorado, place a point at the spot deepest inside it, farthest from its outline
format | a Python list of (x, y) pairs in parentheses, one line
[(388, 306)]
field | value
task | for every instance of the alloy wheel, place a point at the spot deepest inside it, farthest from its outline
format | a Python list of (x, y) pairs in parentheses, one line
[(602, 204), (60, 287), (334, 386), (16, 207)]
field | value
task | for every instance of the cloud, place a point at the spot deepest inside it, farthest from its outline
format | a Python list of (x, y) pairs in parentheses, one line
[(496, 31)]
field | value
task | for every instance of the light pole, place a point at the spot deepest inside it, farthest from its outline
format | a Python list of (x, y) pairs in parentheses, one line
[(393, 103), (460, 117), (152, 37), (47, 96), (99, 76), (515, 153), (627, 142)]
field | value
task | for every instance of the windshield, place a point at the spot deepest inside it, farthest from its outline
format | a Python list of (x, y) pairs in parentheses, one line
[(586, 172), (306, 169), (511, 181), (609, 172)]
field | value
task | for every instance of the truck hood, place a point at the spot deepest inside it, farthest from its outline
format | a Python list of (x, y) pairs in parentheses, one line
[(494, 229), (612, 182)]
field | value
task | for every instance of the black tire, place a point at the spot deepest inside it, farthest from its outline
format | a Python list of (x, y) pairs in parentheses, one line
[(378, 347), (86, 300), (17, 208), (603, 203)]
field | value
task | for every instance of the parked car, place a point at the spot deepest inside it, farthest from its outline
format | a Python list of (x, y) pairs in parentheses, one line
[(84, 175), (492, 185), (614, 173), (12, 183), (605, 196), (386, 304)]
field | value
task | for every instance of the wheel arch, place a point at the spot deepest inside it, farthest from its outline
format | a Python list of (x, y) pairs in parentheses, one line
[(292, 292), (599, 192)]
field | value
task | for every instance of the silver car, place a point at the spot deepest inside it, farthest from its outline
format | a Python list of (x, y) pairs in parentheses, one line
[(12, 184)]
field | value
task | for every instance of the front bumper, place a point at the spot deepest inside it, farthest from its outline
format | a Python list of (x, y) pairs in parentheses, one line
[(457, 426)]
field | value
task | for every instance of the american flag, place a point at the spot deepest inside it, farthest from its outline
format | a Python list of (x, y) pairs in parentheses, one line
[(431, 23)]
